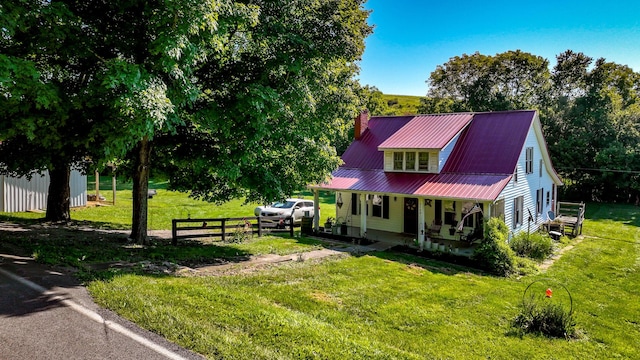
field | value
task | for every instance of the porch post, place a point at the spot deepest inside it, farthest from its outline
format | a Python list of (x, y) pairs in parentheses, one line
[(316, 211), (421, 223), (363, 215)]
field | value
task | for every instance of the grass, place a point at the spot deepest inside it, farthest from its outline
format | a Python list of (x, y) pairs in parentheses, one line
[(387, 306), (402, 104), (164, 207)]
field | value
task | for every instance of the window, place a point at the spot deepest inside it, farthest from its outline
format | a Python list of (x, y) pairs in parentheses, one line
[(376, 206), (497, 210), (398, 160), (355, 204), (518, 205), (450, 213), (515, 175), (411, 161), (380, 206), (529, 160), (423, 161), (547, 198), (541, 166), (539, 200)]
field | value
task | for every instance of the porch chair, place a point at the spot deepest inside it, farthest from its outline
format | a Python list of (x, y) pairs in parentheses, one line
[(434, 229)]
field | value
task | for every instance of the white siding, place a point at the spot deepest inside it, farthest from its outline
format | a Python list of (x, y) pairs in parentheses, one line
[(388, 161), (526, 186), (395, 222), (446, 152), (78, 185), (20, 194)]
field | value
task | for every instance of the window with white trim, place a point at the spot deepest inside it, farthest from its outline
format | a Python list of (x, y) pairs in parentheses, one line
[(529, 160), (380, 206), (423, 161), (411, 161), (541, 166), (497, 210), (539, 201), (398, 160), (518, 207)]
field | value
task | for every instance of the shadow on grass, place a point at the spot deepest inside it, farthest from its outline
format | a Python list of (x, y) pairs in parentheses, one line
[(439, 263), (628, 214), (96, 252)]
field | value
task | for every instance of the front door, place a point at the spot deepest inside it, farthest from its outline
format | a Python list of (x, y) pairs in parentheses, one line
[(411, 216)]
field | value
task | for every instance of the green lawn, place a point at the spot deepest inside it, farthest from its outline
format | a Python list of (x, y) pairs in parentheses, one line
[(386, 306), (164, 207)]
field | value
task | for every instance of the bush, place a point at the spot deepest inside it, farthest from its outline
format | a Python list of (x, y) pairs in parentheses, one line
[(493, 253), (525, 266), (535, 246), (545, 317)]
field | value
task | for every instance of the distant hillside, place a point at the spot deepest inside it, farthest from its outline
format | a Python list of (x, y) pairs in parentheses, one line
[(402, 104)]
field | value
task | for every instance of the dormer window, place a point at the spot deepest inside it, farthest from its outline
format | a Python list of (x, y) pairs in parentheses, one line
[(423, 161), (411, 162), (398, 160)]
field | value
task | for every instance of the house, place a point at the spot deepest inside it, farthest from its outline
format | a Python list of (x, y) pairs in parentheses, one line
[(20, 194), (439, 175)]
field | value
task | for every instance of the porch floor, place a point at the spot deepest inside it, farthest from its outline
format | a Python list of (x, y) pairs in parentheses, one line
[(386, 240)]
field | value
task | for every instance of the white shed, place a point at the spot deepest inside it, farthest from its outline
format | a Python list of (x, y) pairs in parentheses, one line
[(20, 194)]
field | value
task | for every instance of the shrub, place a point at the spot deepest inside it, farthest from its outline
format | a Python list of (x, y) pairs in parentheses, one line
[(493, 253), (535, 246), (545, 317), (525, 266)]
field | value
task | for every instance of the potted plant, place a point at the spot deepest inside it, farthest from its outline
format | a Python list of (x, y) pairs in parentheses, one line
[(328, 224)]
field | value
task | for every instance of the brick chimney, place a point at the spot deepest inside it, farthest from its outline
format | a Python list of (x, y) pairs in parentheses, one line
[(362, 122)]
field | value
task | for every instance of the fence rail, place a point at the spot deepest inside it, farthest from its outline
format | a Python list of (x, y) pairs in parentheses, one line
[(223, 227)]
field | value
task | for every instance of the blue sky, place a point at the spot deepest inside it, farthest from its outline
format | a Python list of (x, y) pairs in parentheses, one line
[(412, 37)]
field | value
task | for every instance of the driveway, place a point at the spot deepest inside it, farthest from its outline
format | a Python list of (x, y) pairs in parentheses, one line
[(46, 314)]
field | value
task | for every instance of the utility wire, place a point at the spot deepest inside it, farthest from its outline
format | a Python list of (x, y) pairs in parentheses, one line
[(602, 170)]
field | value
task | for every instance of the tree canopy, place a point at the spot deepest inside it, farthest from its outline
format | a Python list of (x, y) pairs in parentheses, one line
[(589, 110), (239, 98)]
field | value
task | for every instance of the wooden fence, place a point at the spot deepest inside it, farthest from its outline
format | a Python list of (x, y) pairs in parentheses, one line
[(201, 228)]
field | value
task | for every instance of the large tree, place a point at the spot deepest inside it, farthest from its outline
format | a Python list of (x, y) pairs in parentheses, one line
[(260, 86), (589, 112), (477, 82), (272, 106), (45, 110)]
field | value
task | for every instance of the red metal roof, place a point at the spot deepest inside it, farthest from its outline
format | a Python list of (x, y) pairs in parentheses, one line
[(427, 132), (454, 186), (491, 144), (480, 166), (363, 153)]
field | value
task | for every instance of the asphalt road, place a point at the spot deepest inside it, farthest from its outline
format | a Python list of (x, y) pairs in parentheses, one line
[(46, 314)]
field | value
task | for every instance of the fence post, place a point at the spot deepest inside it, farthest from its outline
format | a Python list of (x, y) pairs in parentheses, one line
[(259, 226), (224, 229), (291, 226), (174, 232)]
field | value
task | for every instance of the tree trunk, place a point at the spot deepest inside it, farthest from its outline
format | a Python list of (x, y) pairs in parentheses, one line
[(140, 191), (59, 193)]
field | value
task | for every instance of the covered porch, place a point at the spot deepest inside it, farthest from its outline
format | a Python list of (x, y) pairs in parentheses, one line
[(385, 240)]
